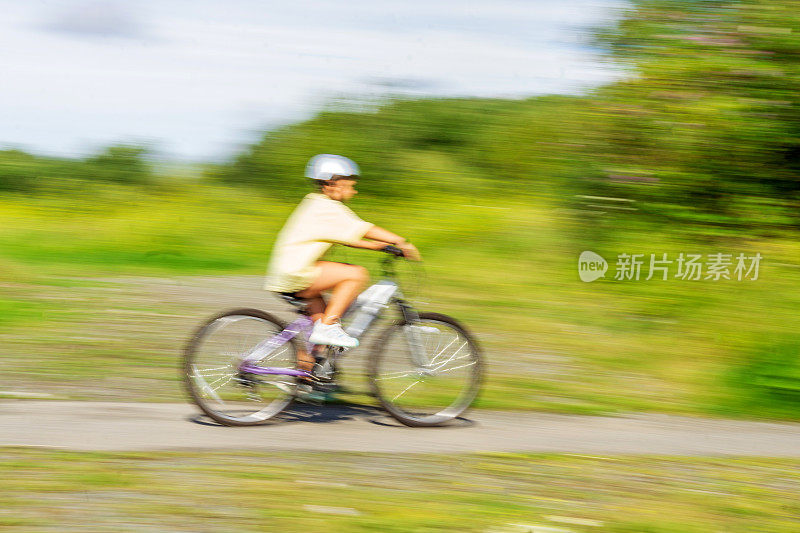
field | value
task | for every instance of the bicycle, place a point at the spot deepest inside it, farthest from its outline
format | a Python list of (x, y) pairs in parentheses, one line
[(425, 369)]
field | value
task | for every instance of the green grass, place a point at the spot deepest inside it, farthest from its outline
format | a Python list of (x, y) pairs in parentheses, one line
[(76, 298), (49, 490)]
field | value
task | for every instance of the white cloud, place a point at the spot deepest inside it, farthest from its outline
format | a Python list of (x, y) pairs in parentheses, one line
[(97, 19), (200, 76)]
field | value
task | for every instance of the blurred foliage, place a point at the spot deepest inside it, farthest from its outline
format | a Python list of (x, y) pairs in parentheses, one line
[(430, 147), (340, 492), (20, 171), (700, 140), (697, 148), (121, 163), (706, 129), (769, 375), (708, 126), (28, 173)]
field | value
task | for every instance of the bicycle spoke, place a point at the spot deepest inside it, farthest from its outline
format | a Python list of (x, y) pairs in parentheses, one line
[(214, 355), (399, 375), (213, 368), (275, 355), (206, 387), (218, 380), (435, 357), (426, 374), (451, 357), (213, 375), (406, 389), (455, 367)]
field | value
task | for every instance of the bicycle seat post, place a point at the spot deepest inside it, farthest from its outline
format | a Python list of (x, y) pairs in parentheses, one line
[(300, 304)]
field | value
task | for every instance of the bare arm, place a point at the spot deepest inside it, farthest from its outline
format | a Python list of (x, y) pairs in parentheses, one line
[(377, 233), (368, 245), (379, 238)]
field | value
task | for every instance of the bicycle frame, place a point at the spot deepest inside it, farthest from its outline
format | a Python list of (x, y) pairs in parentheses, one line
[(412, 346), (303, 324)]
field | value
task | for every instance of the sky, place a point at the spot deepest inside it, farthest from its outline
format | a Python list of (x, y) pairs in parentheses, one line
[(199, 79)]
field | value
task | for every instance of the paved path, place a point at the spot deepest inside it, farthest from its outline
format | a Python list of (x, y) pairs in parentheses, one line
[(142, 426)]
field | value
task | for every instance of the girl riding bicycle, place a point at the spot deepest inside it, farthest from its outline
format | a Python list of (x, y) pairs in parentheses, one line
[(320, 221), (244, 367)]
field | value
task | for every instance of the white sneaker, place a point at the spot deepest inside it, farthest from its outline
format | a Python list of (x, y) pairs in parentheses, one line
[(331, 335)]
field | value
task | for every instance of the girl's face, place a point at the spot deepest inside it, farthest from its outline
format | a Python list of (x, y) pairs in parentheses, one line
[(341, 190)]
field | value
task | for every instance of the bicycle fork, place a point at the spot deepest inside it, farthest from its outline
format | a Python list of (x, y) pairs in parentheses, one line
[(413, 335)]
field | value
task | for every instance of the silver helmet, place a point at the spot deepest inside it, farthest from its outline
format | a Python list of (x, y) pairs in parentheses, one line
[(325, 166)]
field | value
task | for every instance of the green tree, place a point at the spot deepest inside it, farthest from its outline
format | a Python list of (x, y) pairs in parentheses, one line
[(122, 163), (19, 171), (711, 113)]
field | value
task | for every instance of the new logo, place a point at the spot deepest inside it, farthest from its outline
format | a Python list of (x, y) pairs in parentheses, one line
[(591, 266)]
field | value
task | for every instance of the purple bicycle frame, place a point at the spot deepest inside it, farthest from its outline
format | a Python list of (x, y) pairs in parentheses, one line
[(301, 324)]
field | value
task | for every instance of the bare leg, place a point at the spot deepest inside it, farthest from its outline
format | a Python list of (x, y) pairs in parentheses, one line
[(316, 307), (345, 281)]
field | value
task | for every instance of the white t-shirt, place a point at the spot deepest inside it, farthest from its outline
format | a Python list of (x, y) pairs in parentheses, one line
[(316, 224)]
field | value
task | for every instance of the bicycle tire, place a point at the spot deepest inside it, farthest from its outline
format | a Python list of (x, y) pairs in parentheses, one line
[(416, 412), (263, 401)]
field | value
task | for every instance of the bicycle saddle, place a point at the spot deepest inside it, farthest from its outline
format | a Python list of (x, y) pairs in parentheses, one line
[(299, 303)]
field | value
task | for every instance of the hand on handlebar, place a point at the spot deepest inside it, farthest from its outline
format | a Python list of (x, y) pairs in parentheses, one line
[(410, 251), (406, 249)]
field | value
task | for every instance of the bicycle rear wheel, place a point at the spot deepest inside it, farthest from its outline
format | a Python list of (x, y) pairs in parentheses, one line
[(216, 384), (426, 373)]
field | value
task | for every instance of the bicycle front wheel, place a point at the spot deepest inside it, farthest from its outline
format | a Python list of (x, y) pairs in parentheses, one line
[(428, 372), (212, 375)]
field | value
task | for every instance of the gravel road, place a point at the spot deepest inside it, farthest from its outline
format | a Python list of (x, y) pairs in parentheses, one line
[(171, 426), (117, 315)]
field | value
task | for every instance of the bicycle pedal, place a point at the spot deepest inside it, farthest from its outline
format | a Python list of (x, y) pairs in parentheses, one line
[(324, 371)]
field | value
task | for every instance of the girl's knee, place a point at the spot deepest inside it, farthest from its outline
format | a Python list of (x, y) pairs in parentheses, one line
[(360, 274)]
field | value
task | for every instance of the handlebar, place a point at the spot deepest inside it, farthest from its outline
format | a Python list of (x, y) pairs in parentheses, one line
[(388, 264), (393, 250)]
